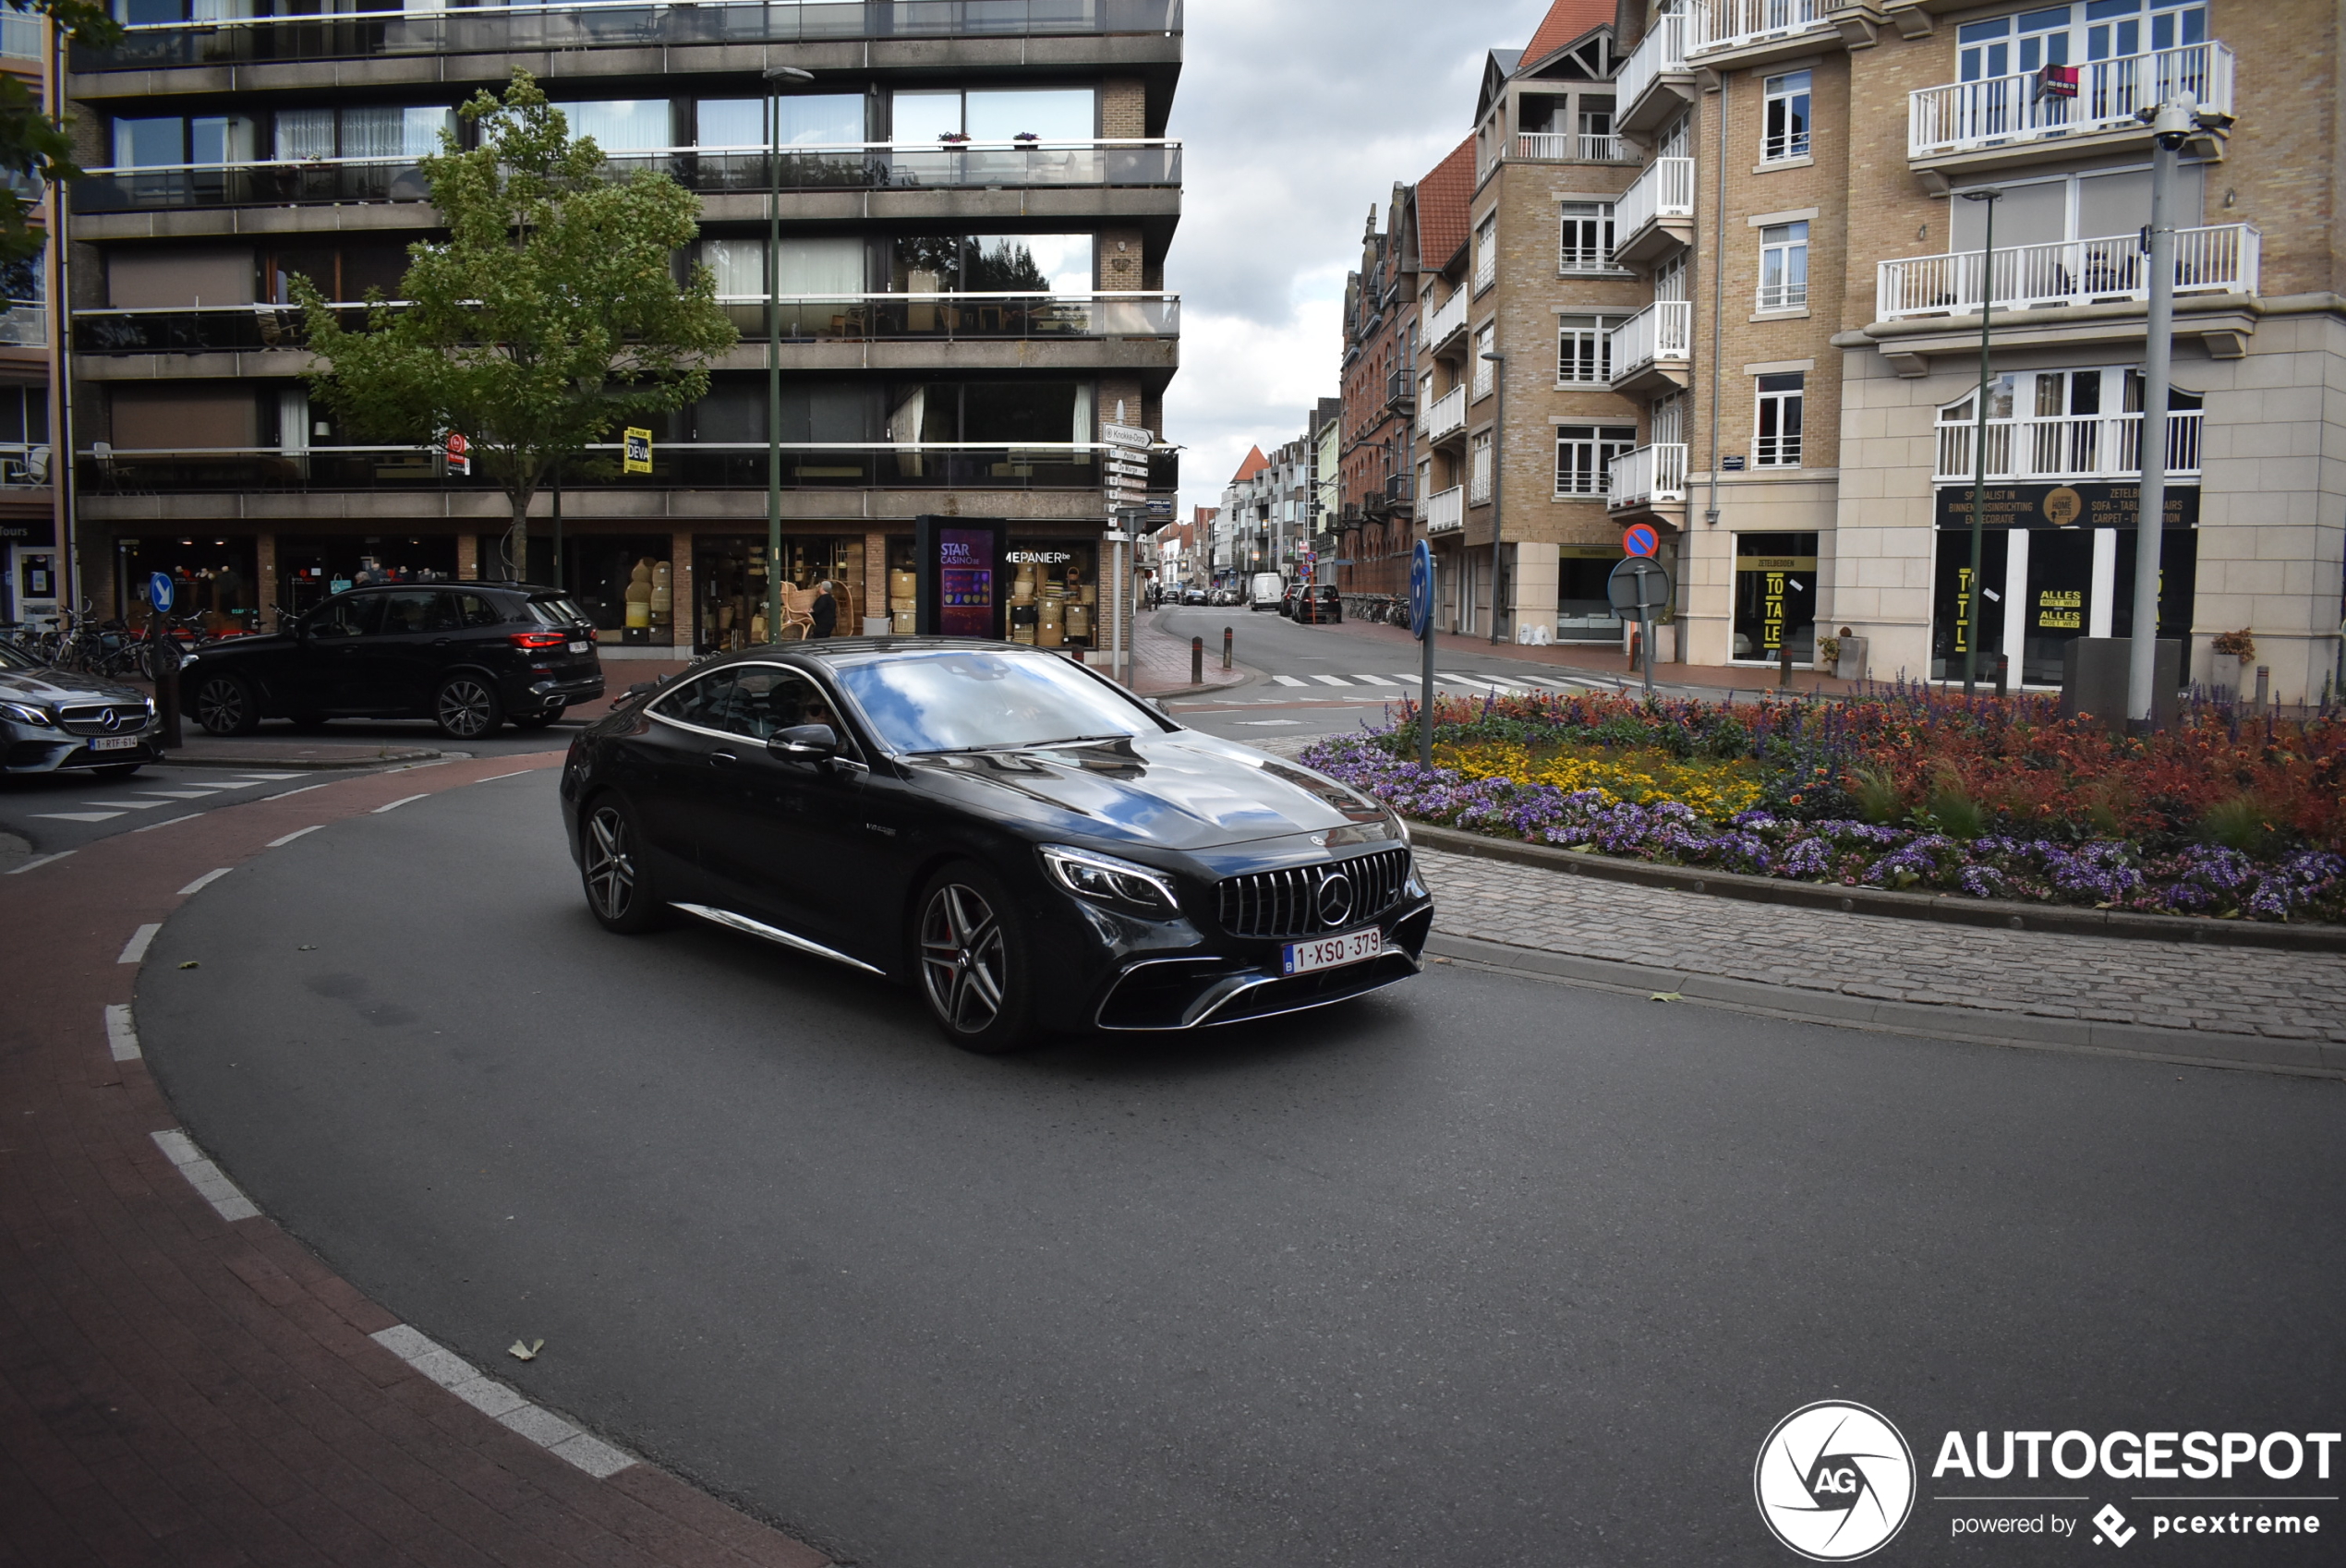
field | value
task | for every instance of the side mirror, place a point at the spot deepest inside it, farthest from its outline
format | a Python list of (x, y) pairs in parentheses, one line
[(804, 743)]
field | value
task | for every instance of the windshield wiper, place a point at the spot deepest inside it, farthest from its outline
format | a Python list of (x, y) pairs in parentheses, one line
[(1017, 746)]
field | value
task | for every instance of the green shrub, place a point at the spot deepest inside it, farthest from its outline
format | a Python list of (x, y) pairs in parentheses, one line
[(1876, 796), (1951, 806), (2242, 821)]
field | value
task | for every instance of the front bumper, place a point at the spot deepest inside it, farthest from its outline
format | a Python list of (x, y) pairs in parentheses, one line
[(24, 749)]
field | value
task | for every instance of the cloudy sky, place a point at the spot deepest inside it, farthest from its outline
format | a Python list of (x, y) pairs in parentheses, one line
[(1295, 116)]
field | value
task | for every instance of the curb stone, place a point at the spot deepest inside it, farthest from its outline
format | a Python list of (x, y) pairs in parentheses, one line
[(2178, 1046), (2006, 913)]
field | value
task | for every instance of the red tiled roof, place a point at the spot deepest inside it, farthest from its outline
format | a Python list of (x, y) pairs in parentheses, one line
[(1566, 20), (1255, 463), (1445, 198)]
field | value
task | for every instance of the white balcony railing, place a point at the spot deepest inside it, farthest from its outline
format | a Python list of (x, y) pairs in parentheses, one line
[(1565, 147), (2068, 447), (1486, 263), (1448, 318), (1730, 24), (1446, 511), (1662, 49), (2222, 260), (1448, 414), (2006, 111), (1648, 475), (1666, 189), (1662, 330)]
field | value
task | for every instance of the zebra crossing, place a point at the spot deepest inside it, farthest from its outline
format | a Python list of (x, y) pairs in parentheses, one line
[(151, 799), (1402, 682)]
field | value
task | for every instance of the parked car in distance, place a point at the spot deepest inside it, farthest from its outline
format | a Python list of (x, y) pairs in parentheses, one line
[(470, 657), (1027, 845), (1265, 591), (1193, 596), (56, 721), (1319, 605)]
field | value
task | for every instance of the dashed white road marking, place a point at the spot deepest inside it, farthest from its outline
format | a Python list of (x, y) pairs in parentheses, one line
[(494, 776), (187, 794), (206, 880), (501, 1403), (281, 843), (396, 804), (167, 822), (127, 803), (285, 794), (266, 777), (122, 1036), (43, 860), (135, 950), (206, 1177), (77, 815)]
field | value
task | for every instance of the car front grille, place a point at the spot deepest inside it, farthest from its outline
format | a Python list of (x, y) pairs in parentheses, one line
[(90, 718), (1302, 901)]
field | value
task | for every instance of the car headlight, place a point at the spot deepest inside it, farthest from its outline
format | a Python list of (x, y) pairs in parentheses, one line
[(1104, 879), (24, 715), (151, 709)]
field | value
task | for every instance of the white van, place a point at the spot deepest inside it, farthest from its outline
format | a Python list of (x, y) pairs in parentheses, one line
[(1265, 591)]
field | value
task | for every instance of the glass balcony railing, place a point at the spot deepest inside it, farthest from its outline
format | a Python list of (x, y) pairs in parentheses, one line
[(24, 323), (610, 24), (1045, 465), (710, 170), (21, 36), (854, 318)]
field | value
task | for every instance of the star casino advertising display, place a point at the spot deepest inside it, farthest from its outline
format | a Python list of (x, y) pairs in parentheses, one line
[(959, 575)]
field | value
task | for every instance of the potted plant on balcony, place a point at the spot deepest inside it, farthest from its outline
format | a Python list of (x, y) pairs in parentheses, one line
[(1026, 136), (953, 139)]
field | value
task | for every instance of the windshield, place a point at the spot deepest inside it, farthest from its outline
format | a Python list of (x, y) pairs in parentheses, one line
[(952, 701)]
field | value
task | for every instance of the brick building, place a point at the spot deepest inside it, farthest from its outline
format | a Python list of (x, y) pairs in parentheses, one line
[(1376, 500)]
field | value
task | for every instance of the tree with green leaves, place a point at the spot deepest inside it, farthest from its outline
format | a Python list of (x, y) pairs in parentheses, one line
[(34, 147), (548, 318)]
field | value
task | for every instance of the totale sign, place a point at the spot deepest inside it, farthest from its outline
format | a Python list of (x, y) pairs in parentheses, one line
[(2064, 506)]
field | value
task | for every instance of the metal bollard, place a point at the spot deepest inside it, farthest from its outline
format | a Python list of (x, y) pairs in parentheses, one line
[(2003, 675), (1197, 661), (1637, 647), (2264, 684), (1225, 647), (167, 695), (1784, 663)]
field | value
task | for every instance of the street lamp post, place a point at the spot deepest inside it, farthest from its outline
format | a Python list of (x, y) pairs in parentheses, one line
[(2172, 123), (1499, 481), (774, 345), (1972, 619)]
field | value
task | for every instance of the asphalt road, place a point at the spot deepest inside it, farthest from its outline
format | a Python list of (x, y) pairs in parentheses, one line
[(1480, 1271)]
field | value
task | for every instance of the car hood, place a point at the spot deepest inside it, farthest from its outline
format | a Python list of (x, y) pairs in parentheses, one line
[(1184, 791), (62, 685)]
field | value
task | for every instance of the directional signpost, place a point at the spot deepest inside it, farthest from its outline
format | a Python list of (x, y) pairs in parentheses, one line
[(1639, 590), (1422, 628)]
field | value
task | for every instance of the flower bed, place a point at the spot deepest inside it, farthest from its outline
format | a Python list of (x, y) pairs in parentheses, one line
[(1902, 790)]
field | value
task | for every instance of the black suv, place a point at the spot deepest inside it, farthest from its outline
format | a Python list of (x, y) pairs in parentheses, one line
[(467, 656)]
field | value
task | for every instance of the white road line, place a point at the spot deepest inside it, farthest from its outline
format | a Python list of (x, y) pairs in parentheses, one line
[(494, 776), (287, 794), (1331, 680), (135, 950), (184, 794), (205, 1177), (396, 804), (281, 843), (122, 1036), (206, 880), (77, 815), (164, 823), (266, 777), (1286, 680), (501, 1403), (124, 802), (1378, 681), (43, 860)]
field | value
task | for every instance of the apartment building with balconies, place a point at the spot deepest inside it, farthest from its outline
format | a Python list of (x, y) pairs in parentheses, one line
[(33, 564), (1378, 510), (975, 206)]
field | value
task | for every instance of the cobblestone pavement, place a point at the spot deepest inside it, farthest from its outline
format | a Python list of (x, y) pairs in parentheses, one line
[(2224, 991)]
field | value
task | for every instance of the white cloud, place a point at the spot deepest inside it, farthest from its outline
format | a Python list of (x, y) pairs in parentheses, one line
[(1297, 117)]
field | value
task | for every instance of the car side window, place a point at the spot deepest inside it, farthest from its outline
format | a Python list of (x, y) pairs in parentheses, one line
[(765, 699), (353, 615), (477, 611), (703, 702), (413, 610)]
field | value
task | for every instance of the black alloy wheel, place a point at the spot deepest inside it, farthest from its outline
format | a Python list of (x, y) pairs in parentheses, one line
[(467, 708), (972, 960), (618, 891), (225, 706)]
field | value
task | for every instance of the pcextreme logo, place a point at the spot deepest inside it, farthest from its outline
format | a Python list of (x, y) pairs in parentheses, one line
[(1834, 1481)]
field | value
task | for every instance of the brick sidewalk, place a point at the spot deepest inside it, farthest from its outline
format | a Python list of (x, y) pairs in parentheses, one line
[(182, 1383), (1161, 661)]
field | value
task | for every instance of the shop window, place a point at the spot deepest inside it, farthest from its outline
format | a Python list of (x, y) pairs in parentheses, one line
[(1784, 267), (212, 578), (1784, 117), (1055, 593), (623, 584), (729, 584), (312, 567), (1776, 442), (1776, 603)]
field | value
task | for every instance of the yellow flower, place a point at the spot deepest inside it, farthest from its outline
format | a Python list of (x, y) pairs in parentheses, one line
[(1709, 788)]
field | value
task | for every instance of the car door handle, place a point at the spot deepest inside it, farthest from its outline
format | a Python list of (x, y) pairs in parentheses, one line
[(723, 759)]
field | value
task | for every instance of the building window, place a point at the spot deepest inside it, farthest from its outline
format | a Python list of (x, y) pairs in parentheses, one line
[(1485, 341), (1585, 237), (1777, 444), (1479, 485), (1585, 455), (1584, 354), (1784, 119), (1784, 267), (1486, 253)]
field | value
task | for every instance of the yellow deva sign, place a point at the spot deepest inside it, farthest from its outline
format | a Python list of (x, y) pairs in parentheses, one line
[(637, 456)]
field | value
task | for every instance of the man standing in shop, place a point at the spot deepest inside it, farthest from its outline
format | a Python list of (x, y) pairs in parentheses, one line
[(825, 610)]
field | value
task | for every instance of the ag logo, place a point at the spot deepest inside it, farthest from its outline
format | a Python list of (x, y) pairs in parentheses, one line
[(1834, 1481)]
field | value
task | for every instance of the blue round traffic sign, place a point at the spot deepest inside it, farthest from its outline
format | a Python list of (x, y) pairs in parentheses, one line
[(159, 591), (1421, 591), (1641, 538)]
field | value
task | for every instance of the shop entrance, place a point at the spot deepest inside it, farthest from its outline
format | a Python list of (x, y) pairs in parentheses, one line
[(729, 584), (1055, 593), (1775, 596), (314, 567), (2042, 588), (212, 578)]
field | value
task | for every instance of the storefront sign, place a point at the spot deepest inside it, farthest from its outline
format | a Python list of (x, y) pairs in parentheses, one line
[(2064, 506), (40, 533), (959, 566), (637, 457)]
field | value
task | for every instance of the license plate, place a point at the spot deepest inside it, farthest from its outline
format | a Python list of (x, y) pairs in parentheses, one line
[(578, 647), (1331, 952), (115, 743)]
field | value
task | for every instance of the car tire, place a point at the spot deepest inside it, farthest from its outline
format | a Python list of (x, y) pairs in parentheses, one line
[(620, 893), (467, 708), (973, 961), (120, 770), (226, 705)]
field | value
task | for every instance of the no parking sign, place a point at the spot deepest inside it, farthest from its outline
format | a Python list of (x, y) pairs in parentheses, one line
[(1641, 538)]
